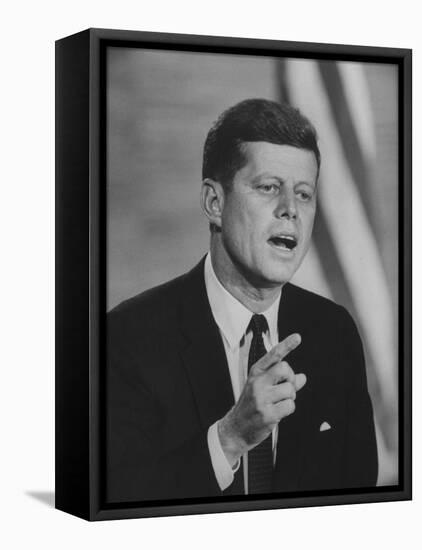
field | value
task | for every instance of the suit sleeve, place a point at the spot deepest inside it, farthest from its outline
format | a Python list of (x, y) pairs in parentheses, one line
[(361, 456), (141, 465)]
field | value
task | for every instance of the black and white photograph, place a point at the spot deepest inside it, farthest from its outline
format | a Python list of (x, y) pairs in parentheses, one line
[(210, 236), (252, 300)]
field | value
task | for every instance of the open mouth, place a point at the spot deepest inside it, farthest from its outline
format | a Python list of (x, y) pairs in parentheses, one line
[(285, 242)]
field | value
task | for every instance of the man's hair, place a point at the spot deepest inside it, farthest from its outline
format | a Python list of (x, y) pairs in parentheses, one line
[(248, 121)]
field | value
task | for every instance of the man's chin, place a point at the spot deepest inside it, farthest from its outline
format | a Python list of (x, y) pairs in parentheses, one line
[(276, 279), (281, 270)]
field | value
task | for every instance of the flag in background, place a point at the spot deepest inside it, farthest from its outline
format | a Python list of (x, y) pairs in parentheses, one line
[(345, 261)]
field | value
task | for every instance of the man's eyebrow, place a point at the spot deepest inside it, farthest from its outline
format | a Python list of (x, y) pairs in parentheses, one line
[(264, 175), (309, 183), (269, 175)]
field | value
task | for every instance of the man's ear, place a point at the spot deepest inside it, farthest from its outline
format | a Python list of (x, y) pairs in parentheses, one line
[(212, 201)]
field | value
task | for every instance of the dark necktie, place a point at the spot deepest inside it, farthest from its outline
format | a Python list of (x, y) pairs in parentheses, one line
[(260, 458)]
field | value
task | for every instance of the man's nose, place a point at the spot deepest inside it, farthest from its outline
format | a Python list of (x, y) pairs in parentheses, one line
[(286, 207)]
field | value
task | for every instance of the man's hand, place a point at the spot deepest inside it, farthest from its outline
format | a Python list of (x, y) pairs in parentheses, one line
[(268, 396)]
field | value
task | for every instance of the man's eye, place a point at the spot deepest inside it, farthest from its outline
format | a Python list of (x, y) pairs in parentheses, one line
[(304, 196), (269, 188)]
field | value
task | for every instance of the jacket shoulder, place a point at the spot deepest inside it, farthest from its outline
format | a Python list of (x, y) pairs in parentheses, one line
[(316, 310), (153, 307), (312, 300), (323, 316)]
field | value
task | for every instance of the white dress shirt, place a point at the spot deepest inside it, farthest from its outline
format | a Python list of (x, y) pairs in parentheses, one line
[(233, 319)]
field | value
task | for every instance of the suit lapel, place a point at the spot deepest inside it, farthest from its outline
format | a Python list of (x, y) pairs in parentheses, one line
[(203, 352), (293, 430)]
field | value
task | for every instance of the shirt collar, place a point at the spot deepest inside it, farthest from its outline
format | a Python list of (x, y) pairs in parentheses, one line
[(231, 316)]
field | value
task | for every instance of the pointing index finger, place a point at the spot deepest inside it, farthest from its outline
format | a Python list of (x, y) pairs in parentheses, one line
[(278, 352), (287, 345)]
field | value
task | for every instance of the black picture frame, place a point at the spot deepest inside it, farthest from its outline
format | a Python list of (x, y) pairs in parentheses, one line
[(81, 269)]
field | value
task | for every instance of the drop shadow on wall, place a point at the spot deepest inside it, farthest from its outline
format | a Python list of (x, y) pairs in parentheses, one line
[(45, 497)]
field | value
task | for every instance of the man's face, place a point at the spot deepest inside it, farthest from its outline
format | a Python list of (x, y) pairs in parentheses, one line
[(268, 213)]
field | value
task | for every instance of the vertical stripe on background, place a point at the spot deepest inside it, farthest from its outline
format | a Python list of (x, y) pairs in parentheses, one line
[(358, 100), (347, 123), (344, 238)]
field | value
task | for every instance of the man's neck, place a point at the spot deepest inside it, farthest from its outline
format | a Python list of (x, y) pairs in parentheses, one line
[(254, 298)]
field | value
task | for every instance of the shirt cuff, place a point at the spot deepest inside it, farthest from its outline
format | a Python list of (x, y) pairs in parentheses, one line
[(224, 473)]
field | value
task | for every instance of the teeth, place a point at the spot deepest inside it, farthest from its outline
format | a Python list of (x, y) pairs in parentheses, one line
[(284, 241)]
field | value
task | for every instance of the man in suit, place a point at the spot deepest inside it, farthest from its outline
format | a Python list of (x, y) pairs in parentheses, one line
[(229, 380)]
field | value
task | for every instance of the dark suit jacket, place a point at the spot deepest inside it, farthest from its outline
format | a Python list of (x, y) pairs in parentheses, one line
[(168, 381)]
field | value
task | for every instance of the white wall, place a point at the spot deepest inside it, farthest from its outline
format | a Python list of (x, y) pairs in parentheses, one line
[(27, 273)]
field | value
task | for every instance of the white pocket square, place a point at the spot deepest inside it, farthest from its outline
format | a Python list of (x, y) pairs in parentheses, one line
[(324, 427)]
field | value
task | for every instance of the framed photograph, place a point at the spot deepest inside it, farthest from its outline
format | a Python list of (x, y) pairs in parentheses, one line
[(233, 274)]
